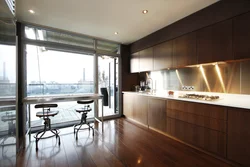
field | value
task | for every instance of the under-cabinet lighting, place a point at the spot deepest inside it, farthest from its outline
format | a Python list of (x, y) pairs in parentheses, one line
[(205, 78), (178, 76), (220, 77)]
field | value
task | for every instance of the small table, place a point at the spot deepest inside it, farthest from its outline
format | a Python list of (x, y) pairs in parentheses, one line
[(66, 98)]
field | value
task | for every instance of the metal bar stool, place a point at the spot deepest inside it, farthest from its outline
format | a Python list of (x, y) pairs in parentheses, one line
[(84, 111), (45, 114)]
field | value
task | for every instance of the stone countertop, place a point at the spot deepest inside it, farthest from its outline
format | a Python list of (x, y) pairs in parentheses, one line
[(228, 100)]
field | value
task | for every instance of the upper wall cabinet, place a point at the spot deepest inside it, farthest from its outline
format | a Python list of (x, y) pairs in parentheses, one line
[(163, 55), (146, 60), (241, 36), (184, 50), (134, 62), (214, 43)]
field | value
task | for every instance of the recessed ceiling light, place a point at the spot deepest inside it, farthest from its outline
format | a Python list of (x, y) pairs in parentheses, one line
[(116, 33), (145, 11), (31, 11)]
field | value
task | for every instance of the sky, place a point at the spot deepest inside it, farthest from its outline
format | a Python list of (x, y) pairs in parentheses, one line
[(8, 55), (61, 67)]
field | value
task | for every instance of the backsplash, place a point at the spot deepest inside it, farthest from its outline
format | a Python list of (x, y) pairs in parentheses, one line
[(224, 78)]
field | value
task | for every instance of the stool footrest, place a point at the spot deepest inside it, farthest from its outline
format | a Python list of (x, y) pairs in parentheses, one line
[(52, 135)]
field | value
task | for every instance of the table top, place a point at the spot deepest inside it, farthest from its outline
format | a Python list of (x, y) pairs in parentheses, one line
[(61, 98)]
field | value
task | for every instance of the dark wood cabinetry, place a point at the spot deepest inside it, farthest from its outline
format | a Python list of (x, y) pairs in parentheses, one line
[(198, 124), (157, 114), (140, 106), (184, 50), (128, 105), (163, 55), (136, 107), (239, 136), (134, 62), (223, 131), (214, 43), (146, 60), (241, 36)]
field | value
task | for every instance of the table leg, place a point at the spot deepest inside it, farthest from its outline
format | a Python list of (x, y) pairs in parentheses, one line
[(102, 115), (29, 123)]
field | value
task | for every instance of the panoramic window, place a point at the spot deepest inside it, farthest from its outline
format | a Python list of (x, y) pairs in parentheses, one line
[(51, 72), (54, 72), (60, 63)]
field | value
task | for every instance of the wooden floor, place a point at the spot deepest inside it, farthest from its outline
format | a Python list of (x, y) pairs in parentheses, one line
[(123, 144)]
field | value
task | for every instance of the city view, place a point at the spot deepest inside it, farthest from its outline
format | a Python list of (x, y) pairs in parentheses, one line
[(46, 71)]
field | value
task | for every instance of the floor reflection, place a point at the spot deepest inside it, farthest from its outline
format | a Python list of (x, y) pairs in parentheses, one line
[(7, 136)]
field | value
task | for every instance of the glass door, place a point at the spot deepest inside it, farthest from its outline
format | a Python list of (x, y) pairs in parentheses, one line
[(108, 84)]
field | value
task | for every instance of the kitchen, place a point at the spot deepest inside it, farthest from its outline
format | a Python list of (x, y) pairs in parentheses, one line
[(200, 74), (179, 89)]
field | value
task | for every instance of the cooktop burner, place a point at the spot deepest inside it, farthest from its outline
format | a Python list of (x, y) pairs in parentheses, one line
[(200, 97)]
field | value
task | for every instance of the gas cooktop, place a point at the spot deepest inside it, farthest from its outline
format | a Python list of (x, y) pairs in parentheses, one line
[(200, 97)]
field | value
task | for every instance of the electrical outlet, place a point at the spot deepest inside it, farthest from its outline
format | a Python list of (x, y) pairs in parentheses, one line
[(187, 87)]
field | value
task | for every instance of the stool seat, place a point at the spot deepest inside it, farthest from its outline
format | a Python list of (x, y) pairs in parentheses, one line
[(11, 117), (46, 113), (45, 105), (85, 101)]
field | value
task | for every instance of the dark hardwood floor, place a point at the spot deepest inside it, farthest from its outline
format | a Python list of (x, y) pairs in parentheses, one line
[(123, 144)]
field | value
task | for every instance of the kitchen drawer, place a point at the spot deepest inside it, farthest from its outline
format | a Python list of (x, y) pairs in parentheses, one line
[(211, 111), (207, 122), (207, 139)]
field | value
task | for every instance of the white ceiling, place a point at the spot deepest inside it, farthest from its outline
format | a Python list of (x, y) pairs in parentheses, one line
[(101, 18)]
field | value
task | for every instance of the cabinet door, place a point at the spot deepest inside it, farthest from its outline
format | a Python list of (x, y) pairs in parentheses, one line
[(146, 60), (140, 106), (134, 62), (239, 136), (241, 36), (128, 105), (214, 43), (157, 114), (163, 55), (184, 50)]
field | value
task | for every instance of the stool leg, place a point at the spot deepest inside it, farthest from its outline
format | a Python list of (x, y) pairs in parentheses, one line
[(57, 136), (38, 138), (78, 131), (90, 127)]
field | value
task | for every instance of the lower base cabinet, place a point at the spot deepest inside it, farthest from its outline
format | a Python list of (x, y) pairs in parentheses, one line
[(224, 131), (207, 139), (135, 107), (239, 136), (140, 109), (128, 105), (157, 114)]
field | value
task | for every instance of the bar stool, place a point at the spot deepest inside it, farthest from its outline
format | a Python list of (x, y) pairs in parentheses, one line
[(84, 111), (45, 114)]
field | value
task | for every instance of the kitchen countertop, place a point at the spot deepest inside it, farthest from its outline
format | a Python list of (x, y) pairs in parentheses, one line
[(228, 100)]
